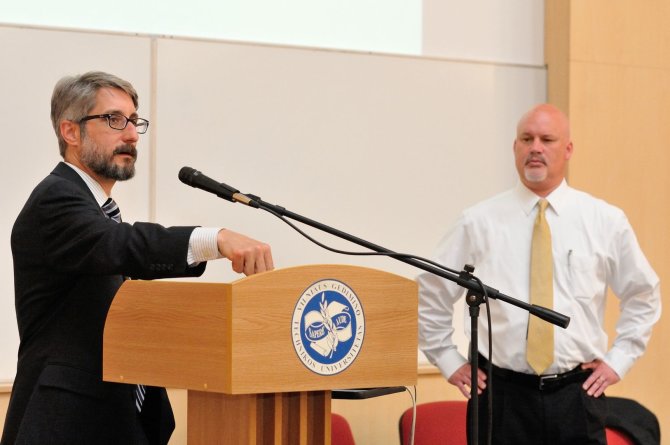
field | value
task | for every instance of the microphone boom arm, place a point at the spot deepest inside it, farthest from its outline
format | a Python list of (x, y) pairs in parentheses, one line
[(464, 280)]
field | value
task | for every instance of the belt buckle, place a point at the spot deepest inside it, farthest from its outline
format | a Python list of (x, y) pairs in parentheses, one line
[(546, 379)]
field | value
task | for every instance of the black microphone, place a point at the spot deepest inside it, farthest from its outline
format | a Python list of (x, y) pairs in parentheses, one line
[(194, 178)]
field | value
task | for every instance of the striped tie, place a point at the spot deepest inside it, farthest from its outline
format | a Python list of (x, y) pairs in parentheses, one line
[(113, 212)]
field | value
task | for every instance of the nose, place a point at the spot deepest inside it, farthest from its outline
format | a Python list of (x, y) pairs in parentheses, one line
[(536, 146), (130, 133)]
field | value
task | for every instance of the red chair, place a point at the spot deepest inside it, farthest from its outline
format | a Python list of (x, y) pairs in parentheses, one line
[(616, 437), (445, 423), (340, 431), (436, 423)]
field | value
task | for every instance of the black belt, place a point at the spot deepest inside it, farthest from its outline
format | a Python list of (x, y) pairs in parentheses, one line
[(541, 382)]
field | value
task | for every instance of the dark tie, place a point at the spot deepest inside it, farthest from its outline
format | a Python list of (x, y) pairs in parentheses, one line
[(114, 213), (112, 210)]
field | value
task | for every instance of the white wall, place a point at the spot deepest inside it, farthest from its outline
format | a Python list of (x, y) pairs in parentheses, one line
[(505, 31)]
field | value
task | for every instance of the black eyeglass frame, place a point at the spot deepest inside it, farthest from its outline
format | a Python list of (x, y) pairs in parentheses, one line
[(138, 122)]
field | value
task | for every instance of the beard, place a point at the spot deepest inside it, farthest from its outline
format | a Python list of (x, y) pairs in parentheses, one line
[(534, 174), (95, 158)]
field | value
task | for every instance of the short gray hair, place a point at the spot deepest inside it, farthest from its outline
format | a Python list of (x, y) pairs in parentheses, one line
[(74, 97)]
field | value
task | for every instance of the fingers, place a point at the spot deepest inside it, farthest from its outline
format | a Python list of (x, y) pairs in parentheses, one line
[(267, 259), (247, 255), (595, 386), (481, 381), (463, 381), (600, 379), (253, 263), (464, 390), (252, 259)]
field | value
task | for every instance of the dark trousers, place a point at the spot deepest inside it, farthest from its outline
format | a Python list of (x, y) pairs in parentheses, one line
[(524, 414)]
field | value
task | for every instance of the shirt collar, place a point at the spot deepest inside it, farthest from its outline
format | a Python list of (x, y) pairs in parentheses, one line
[(528, 199), (93, 185)]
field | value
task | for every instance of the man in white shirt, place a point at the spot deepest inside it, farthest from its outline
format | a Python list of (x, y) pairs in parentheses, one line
[(593, 248)]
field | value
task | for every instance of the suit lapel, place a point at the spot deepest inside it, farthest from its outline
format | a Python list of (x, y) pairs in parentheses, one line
[(64, 171)]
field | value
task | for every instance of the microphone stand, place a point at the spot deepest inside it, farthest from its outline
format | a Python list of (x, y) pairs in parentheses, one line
[(476, 295)]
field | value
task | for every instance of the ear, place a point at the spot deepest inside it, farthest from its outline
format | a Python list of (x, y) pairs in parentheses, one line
[(569, 150), (70, 132)]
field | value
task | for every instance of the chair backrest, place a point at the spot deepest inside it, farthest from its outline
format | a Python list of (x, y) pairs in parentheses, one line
[(340, 431), (616, 437), (441, 422), (445, 423), (634, 419)]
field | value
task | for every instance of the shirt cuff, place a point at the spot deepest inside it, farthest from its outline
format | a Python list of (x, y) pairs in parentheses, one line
[(202, 245), (619, 362), (449, 362)]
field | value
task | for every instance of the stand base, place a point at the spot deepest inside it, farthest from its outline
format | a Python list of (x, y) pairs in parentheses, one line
[(297, 418)]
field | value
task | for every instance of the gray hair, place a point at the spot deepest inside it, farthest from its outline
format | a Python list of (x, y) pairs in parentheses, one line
[(75, 96)]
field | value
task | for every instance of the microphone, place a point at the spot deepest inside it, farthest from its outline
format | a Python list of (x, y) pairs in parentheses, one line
[(194, 178)]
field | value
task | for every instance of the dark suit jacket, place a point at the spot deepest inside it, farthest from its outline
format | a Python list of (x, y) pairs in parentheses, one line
[(634, 419), (69, 261)]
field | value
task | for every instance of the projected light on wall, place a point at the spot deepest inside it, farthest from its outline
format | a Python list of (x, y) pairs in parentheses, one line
[(392, 26)]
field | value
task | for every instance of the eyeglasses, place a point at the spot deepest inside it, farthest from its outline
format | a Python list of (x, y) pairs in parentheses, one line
[(120, 122)]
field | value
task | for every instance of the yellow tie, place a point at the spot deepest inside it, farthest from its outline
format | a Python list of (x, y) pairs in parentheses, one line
[(540, 352)]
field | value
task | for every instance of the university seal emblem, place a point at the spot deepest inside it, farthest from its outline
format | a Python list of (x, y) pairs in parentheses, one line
[(328, 327)]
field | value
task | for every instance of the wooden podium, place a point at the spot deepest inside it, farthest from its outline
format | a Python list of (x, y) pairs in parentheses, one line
[(236, 347)]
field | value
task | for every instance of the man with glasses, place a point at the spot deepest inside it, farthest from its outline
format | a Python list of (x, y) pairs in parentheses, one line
[(71, 253)]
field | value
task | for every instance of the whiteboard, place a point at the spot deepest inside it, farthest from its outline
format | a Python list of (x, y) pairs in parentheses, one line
[(388, 148)]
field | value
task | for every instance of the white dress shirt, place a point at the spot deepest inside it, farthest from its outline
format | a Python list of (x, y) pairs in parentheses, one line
[(594, 248), (202, 245)]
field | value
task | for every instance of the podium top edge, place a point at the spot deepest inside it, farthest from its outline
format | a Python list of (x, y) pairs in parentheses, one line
[(326, 269)]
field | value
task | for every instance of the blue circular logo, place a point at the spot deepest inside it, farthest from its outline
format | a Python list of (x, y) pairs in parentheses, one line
[(328, 327)]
